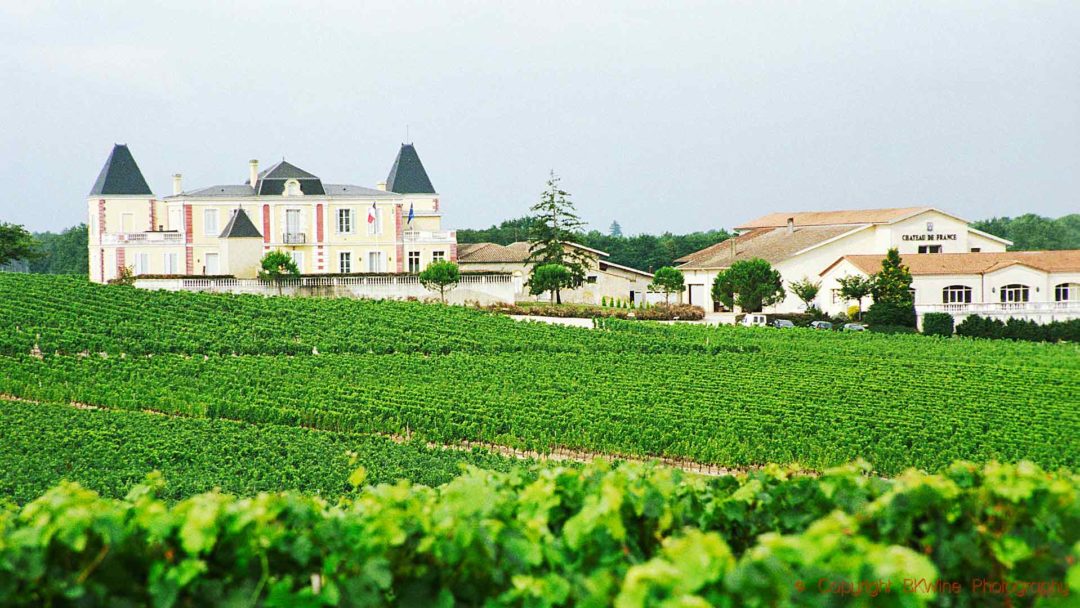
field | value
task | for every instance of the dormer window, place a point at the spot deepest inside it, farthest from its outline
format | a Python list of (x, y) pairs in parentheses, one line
[(292, 188)]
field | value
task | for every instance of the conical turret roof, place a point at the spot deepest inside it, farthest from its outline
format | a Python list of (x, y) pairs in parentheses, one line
[(408, 176), (120, 175)]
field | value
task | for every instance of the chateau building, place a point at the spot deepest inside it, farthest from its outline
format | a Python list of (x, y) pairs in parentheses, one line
[(393, 228), (954, 267)]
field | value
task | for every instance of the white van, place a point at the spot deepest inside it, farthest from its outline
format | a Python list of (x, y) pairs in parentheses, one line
[(754, 320)]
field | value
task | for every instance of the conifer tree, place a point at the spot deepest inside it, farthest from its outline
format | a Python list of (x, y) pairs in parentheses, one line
[(551, 236)]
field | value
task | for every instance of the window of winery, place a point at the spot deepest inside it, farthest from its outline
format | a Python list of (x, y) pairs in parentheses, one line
[(956, 294), (1015, 293)]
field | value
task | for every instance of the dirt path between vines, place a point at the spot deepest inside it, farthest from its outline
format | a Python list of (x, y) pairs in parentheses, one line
[(557, 454)]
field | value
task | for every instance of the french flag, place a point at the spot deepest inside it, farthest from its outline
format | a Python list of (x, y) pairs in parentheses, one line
[(371, 214)]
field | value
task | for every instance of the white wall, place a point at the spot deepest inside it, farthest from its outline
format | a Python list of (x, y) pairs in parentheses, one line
[(485, 289)]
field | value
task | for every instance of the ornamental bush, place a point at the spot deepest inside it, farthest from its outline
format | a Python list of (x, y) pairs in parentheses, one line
[(896, 313), (975, 326), (937, 324)]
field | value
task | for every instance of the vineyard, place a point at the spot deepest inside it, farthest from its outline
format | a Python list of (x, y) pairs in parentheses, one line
[(111, 451), (310, 452), (635, 536), (733, 397)]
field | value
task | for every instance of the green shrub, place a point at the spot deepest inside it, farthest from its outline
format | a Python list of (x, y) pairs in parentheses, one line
[(937, 324), (975, 326), (891, 313)]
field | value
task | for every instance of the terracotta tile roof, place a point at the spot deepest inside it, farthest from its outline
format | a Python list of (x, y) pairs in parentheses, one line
[(514, 252), (770, 244), (973, 263), (833, 218), (493, 252)]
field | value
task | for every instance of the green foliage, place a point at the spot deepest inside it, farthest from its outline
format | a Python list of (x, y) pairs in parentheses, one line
[(440, 276), (632, 536), (937, 324), (550, 278), (806, 290), (668, 280), (277, 265), (108, 450), (975, 326), (552, 232), (613, 309), (62, 253), (892, 284), (891, 313), (1030, 231), (749, 284), (448, 374), (16, 244), (615, 230), (855, 287)]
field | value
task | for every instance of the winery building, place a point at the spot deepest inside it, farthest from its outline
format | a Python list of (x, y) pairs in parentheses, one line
[(954, 266)]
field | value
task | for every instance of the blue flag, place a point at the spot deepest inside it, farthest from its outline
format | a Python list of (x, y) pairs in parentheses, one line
[(411, 214)]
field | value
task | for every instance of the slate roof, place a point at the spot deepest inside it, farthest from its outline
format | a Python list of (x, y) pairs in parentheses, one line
[(120, 175), (408, 176), (240, 226), (971, 263), (833, 218), (223, 190), (770, 244), (271, 181), (285, 170), (351, 190)]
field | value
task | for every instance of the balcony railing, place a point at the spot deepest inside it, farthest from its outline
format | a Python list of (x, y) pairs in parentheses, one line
[(142, 238), (294, 238), (428, 236), (1003, 308)]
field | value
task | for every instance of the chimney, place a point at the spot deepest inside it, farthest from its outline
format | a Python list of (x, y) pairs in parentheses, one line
[(791, 225), (254, 171), (381, 186), (176, 187)]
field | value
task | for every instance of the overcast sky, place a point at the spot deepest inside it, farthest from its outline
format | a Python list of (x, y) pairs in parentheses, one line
[(661, 115)]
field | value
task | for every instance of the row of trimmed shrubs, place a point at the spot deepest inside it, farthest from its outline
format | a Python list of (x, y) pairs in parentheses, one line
[(974, 326)]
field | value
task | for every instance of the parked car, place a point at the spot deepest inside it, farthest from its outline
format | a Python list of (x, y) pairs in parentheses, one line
[(782, 324), (854, 327), (754, 320), (821, 325)]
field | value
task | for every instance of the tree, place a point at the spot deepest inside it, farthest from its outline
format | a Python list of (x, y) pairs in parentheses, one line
[(854, 287), (893, 282), (891, 287), (806, 290), (276, 266), (668, 280), (16, 244), (440, 276), (62, 253), (549, 277), (615, 230), (750, 284), (551, 237)]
